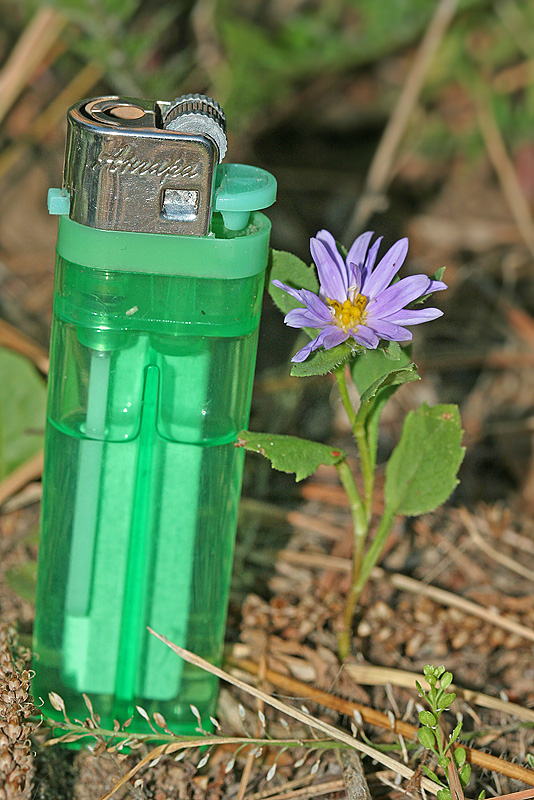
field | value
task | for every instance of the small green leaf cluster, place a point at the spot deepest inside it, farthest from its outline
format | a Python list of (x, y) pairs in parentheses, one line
[(429, 734)]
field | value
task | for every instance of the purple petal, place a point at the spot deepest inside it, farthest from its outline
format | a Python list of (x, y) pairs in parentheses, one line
[(303, 354), (386, 329), (398, 295), (355, 280), (356, 254), (436, 286), (304, 296), (318, 306), (296, 293), (328, 337), (330, 243), (332, 277), (371, 256), (334, 336), (386, 269), (303, 317), (412, 317), (367, 337)]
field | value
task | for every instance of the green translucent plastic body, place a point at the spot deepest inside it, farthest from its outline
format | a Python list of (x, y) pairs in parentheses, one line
[(151, 379)]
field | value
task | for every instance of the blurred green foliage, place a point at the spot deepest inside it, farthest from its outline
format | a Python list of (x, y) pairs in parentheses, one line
[(266, 60), (22, 411)]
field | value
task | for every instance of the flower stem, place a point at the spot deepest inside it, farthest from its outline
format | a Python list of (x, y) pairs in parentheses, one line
[(375, 550), (360, 435), (357, 508), (367, 468), (361, 510), (339, 373), (360, 526)]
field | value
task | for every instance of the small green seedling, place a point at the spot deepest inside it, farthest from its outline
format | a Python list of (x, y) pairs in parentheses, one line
[(431, 737)]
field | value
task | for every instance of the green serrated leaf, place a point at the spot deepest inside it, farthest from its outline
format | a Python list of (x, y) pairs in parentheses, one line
[(443, 794), (419, 689), (460, 756), (392, 351), (444, 762), (427, 718), (427, 738), (375, 399), (432, 775), (290, 453), (322, 361), (421, 473), (395, 377), (22, 411), (366, 370), (23, 580), (292, 271), (373, 364)]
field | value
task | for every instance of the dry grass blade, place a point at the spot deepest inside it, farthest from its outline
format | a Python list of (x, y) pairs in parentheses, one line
[(317, 790), (454, 601), (35, 42), (490, 551), (380, 171), (17, 480), (526, 795), (80, 86), (247, 771), (15, 340), (306, 719), (505, 170), (175, 747), (275, 791), (294, 687), (370, 675)]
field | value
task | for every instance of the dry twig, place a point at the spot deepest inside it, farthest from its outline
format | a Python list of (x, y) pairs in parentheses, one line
[(15, 340), (29, 471), (317, 790), (353, 776), (379, 175), (34, 44), (505, 170), (501, 558), (80, 86)]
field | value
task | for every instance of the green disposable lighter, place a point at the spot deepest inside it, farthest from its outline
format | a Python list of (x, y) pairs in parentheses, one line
[(161, 258)]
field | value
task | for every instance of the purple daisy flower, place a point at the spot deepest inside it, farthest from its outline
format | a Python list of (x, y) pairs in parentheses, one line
[(355, 298)]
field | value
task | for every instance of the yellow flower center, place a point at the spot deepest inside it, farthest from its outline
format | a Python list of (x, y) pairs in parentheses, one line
[(348, 315)]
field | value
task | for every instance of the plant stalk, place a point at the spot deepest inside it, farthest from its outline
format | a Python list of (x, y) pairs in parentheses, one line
[(360, 511), (359, 433)]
